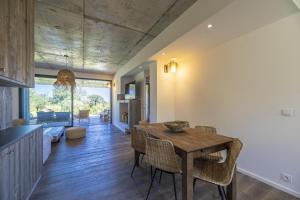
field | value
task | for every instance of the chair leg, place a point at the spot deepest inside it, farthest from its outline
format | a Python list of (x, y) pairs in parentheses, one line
[(174, 184), (142, 158), (151, 184), (151, 172), (160, 176), (224, 192), (194, 182), (136, 160), (221, 193), (133, 168)]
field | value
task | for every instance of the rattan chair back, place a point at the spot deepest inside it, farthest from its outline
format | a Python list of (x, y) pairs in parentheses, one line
[(138, 138), (219, 173), (161, 155), (206, 129)]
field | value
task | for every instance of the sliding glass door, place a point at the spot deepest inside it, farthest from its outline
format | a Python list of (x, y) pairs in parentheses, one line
[(49, 105), (92, 102), (52, 106)]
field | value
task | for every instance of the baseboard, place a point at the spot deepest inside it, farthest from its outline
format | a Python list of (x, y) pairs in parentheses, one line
[(33, 188), (269, 182), (118, 127)]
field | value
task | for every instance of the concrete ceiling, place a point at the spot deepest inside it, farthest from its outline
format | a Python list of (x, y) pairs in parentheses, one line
[(99, 35)]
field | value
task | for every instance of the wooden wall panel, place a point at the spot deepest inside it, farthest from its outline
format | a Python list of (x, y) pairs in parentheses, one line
[(5, 107), (16, 47)]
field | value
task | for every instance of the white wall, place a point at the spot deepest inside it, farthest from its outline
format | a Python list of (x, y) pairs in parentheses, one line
[(201, 10), (240, 87)]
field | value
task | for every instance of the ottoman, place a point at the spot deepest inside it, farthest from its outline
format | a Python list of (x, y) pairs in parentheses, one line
[(75, 133)]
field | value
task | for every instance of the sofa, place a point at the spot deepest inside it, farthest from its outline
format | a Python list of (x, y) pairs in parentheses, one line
[(46, 146)]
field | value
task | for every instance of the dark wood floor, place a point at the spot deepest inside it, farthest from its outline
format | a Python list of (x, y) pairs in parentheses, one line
[(98, 167)]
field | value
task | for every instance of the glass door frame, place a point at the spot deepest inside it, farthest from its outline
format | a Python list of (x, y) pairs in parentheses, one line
[(22, 102)]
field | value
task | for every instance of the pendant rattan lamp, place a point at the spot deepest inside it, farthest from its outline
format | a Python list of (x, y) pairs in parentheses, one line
[(65, 77)]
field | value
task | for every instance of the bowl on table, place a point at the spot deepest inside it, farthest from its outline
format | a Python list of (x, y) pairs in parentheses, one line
[(177, 126)]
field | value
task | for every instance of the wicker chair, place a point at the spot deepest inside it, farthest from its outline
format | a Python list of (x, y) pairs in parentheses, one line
[(83, 114), (219, 174), (138, 143), (161, 155), (216, 156)]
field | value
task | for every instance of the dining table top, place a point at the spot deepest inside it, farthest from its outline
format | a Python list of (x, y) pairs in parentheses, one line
[(190, 139)]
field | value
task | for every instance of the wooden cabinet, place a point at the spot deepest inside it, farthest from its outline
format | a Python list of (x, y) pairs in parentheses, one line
[(21, 166), (16, 42)]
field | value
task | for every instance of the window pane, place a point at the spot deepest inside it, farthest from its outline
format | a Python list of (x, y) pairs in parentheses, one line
[(92, 96), (49, 105)]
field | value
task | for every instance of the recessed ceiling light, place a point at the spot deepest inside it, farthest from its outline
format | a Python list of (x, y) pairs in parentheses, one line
[(163, 53), (209, 26)]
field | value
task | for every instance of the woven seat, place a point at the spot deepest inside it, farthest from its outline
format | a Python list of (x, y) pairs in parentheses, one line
[(219, 173), (216, 156), (75, 132)]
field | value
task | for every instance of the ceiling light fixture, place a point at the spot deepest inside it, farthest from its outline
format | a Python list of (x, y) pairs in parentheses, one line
[(65, 77), (209, 26)]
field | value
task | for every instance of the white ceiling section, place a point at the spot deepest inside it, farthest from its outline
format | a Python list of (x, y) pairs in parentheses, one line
[(99, 35), (238, 18)]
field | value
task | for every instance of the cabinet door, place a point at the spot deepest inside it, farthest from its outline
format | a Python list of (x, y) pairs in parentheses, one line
[(7, 173), (16, 41), (32, 153), (4, 174), (28, 73), (11, 170), (17, 167), (25, 187), (4, 19)]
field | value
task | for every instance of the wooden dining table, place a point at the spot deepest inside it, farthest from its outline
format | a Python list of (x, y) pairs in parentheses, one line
[(190, 144)]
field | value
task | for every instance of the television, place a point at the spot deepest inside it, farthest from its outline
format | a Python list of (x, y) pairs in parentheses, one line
[(130, 90)]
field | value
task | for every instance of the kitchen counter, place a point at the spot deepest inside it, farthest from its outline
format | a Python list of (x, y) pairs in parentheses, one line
[(11, 135)]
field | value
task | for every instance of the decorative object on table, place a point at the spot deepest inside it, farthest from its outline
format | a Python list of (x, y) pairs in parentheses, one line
[(177, 126), (65, 77), (75, 133)]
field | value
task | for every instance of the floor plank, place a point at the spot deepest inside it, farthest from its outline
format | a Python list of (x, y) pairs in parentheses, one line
[(99, 166)]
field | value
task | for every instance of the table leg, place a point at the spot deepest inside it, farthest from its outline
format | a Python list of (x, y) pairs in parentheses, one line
[(187, 176), (137, 158), (231, 188)]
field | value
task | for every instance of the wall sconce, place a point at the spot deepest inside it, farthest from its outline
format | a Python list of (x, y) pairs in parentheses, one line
[(172, 67)]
